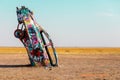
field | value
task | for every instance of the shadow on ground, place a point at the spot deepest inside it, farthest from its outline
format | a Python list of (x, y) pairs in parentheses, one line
[(15, 66)]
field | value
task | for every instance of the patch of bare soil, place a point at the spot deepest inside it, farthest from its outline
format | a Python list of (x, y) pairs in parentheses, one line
[(71, 67)]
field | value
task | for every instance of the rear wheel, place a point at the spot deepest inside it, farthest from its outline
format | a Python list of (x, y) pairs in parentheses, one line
[(19, 33)]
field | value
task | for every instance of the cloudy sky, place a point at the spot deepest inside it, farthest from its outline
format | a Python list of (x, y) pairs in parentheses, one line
[(71, 23)]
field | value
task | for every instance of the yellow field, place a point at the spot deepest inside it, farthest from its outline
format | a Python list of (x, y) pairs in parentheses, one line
[(64, 50)]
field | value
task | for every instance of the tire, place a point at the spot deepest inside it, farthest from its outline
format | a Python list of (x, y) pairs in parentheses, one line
[(51, 52), (19, 33)]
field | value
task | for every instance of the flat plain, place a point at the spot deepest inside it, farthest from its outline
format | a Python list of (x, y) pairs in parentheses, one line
[(74, 64)]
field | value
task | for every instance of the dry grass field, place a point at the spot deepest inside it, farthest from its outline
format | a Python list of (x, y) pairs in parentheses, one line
[(74, 64)]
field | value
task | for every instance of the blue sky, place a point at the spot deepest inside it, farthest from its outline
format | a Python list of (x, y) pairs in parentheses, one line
[(73, 23)]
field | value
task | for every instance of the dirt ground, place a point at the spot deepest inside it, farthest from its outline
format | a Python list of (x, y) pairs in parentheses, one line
[(71, 67)]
